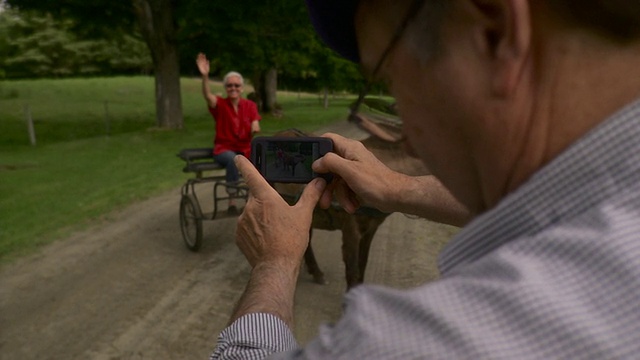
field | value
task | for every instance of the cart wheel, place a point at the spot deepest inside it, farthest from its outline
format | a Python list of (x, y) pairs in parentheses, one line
[(191, 222)]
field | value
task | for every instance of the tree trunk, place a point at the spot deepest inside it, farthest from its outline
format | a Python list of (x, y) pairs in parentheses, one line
[(270, 89), (325, 98), (265, 84), (258, 95), (159, 30)]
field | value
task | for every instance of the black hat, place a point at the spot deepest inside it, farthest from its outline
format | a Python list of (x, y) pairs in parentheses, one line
[(334, 23)]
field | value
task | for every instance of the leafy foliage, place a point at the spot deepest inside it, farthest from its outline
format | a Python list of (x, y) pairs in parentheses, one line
[(35, 45), (249, 36), (252, 36), (92, 19)]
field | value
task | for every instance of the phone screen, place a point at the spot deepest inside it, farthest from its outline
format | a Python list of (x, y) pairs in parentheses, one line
[(290, 160)]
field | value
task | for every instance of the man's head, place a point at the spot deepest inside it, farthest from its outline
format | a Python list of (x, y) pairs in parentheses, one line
[(489, 89), (233, 84)]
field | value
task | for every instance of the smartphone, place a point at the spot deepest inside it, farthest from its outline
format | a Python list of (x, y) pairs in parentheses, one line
[(289, 159)]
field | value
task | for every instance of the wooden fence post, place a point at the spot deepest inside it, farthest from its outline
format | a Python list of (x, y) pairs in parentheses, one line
[(30, 127), (107, 120)]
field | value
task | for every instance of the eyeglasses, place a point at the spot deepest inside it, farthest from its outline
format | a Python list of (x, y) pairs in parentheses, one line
[(232, 85), (411, 13)]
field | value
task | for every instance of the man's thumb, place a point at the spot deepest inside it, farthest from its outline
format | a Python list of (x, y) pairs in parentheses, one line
[(311, 193)]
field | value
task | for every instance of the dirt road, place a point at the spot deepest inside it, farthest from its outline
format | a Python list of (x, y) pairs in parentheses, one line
[(127, 288)]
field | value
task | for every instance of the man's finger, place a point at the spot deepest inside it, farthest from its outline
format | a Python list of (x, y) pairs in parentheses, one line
[(257, 184), (327, 195), (333, 163), (341, 144), (344, 197), (311, 193)]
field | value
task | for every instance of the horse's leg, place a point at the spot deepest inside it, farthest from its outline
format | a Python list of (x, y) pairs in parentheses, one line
[(368, 230), (350, 244), (312, 265)]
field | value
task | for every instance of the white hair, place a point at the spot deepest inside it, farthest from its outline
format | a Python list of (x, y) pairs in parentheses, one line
[(235, 74)]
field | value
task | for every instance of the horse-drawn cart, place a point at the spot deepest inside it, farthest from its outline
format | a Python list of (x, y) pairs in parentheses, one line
[(198, 161)]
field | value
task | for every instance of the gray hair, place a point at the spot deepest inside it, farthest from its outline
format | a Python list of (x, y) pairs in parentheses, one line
[(235, 74)]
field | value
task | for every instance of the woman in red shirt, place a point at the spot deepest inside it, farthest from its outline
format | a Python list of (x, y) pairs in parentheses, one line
[(236, 119)]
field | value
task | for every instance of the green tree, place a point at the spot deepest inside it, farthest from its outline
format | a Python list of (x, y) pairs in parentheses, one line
[(36, 45), (265, 40), (254, 37), (262, 39), (334, 73), (33, 45), (152, 18)]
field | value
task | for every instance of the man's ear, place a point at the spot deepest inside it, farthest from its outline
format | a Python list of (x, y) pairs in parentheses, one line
[(506, 37)]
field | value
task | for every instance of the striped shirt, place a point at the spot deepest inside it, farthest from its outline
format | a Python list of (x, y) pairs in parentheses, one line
[(552, 272)]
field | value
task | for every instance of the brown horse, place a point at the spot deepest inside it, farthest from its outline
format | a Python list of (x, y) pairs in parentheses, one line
[(290, 161), (357, 229)]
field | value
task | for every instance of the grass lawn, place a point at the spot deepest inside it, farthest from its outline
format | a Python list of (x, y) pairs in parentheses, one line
[(98, 150)]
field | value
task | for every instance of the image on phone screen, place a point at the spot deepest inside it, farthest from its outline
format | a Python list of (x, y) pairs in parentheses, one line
[(290, 160)]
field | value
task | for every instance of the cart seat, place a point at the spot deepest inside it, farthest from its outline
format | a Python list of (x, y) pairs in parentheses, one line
[(198, 160)]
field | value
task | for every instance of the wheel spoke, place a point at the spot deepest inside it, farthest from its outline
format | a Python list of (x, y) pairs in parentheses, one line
[(191, 222)]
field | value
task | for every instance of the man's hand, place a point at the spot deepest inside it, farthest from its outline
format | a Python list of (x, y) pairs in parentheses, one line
[(270, 230), (203, 64), (359, 176)]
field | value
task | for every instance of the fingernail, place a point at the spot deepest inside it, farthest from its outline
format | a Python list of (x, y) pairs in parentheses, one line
[(320, 184), (316, 164)]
